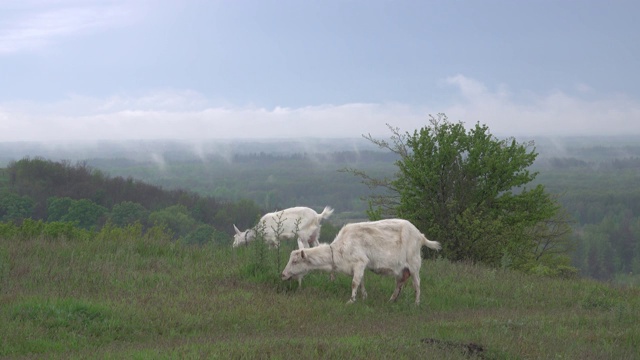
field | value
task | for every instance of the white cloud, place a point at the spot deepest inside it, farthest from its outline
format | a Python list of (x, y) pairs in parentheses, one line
[(28, 121), (41, 23), (178, 114), (554, 113)]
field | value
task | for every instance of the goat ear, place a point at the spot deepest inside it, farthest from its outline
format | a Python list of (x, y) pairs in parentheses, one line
[(236, 229), (302, 254)]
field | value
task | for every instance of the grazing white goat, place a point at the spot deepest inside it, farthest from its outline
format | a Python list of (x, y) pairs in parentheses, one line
[(301, 223), (386, 247)]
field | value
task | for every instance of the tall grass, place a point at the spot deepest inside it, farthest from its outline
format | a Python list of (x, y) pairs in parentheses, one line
[(129, 293)]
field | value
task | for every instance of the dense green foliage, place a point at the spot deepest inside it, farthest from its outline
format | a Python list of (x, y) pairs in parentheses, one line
[(472, 192), (458, 186), (60, 192), (85, 213), (14, 206), (72, 293), (604, 200)]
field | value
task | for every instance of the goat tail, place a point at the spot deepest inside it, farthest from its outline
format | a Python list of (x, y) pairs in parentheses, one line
[(431, 244), (326, 212)]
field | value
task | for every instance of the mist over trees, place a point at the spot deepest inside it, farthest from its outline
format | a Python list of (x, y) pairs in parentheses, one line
[(594, 179)]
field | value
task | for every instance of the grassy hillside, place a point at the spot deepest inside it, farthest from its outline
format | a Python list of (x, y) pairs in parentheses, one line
[(122, 293)]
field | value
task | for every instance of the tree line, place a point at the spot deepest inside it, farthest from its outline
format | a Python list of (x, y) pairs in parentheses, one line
[(49, 191), (591, 191), (273, 181)]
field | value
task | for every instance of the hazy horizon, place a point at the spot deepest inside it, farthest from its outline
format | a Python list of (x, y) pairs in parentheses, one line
[(159, 150)]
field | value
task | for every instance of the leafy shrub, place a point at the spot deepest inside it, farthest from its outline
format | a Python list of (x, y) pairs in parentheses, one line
[(128, 212), (176, 218), (201, 235), (8, 230), (85, 213), (112, 232), (31, 228), (14, 206), (58, 207), (60, 229)]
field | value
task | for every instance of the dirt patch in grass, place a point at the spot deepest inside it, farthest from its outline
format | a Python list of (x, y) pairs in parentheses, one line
[(470, 349)]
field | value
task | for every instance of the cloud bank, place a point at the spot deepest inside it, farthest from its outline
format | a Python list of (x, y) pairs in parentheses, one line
[(554, 113), (188, 115)]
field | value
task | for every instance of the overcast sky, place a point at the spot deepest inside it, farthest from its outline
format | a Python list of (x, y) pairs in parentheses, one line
[(127, 69)]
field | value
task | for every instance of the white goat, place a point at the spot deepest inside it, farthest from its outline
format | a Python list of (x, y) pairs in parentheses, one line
[(387, 247), (301, 223)]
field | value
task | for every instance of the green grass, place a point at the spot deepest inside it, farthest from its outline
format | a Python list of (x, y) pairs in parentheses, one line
[(122, 294)]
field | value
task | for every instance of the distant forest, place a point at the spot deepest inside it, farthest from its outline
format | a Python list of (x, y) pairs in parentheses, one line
[(209, 187)]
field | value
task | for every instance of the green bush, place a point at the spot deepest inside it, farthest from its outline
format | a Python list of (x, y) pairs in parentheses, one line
[(201, 235), (85, 213), (60, 229), (31, 229), (8, 230), (58, 207), (176, 218), (128, 212), (14, 206)]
